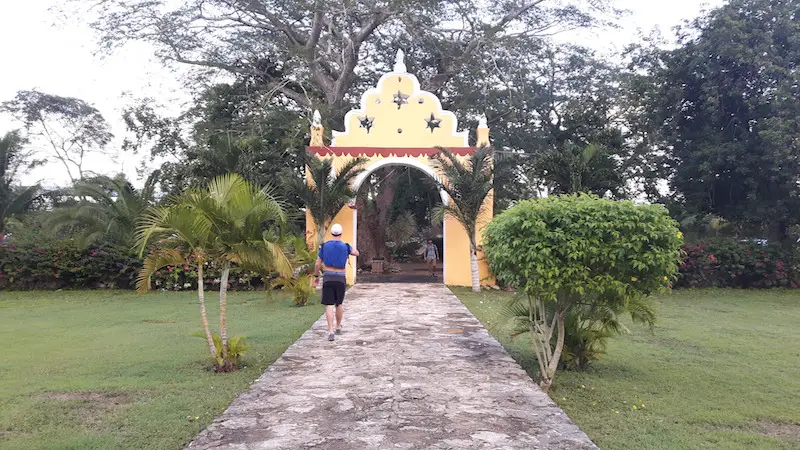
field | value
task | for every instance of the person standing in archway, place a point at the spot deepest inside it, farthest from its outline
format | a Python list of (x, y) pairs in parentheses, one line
[(432, 256), (333, 256)]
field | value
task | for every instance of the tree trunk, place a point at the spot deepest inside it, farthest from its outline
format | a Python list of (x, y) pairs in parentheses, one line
[(547, 380), (201, 294), (473, 262), (383, 208), (320, 235), (223, 303)]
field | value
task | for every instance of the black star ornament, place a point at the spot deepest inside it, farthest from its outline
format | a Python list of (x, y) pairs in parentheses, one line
[(433, 122)]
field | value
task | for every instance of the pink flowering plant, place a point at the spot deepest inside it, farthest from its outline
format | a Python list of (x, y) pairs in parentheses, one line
[(732, 263)]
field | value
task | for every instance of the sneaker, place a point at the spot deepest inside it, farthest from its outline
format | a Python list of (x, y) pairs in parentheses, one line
[(338, 331), (331, 337)]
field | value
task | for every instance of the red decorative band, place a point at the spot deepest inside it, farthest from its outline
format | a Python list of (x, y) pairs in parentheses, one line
[(385, 152)]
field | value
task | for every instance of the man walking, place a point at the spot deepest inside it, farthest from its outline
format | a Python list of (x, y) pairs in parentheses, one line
[(333, 256), (431, 256)]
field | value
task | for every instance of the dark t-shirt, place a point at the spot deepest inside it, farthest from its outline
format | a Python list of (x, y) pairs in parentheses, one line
[(335, 253)]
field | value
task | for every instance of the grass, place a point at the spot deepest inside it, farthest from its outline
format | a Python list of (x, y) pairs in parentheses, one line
[(108, 369), (721, 370)]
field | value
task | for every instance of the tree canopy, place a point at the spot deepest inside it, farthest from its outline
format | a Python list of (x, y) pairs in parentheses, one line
[(728, 116), (69, 129), (315, 53)]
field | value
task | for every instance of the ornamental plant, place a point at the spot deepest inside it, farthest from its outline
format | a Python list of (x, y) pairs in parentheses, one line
[(300, 282), (229, 222), (728, 262), (579, 251)]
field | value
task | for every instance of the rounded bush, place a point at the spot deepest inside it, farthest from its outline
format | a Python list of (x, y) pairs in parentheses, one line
[(582, 246)]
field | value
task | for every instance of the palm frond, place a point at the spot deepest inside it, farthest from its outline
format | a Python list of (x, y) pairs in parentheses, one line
[(467, 184), (153, 263), (642, 310), (518, 314), (326, 191), (109, 208)]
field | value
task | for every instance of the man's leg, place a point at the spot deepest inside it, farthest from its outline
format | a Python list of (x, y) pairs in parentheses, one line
[(339, 315), (329, 311), (340, 290), (329, 300)]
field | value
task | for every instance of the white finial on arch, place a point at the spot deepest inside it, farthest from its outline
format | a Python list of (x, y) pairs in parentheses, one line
[(317, 119), (482, 121), (399, 62)]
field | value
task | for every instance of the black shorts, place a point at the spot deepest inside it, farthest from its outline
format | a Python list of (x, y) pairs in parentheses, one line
[(333, 292)]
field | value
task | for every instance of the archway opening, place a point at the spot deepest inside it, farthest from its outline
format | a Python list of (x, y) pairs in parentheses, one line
[(396, 209)]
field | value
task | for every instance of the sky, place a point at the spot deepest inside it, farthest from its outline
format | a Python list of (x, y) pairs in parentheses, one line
[(42, 51)]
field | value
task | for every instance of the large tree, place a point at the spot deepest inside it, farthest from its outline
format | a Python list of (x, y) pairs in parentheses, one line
[(70, 130), (726, 103), (314, 52), (546, 105), (228, 129)]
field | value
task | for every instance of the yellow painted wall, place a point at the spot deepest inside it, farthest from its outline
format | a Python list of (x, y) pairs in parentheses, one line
[(406, 126), (414, 133)]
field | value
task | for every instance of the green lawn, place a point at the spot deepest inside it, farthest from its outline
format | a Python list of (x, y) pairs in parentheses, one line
[(722, 370), (106, 369)]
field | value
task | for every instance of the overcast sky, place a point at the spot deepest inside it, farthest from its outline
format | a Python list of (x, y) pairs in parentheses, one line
[(39, 51)]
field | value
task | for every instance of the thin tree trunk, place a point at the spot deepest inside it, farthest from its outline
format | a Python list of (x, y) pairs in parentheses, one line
[(320, 236), (201, 294), (476, 276), (547, 381), (540, 339), (223, 303)]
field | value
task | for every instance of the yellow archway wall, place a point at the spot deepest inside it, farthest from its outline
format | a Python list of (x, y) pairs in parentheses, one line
[(400, 124)]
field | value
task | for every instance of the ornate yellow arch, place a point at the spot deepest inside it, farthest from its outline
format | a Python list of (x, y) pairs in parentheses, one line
[(400, 124)]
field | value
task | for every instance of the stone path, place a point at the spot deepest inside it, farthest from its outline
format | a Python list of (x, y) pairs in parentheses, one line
[(413, 369)]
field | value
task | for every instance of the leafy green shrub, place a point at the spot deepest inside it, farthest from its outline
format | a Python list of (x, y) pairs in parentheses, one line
[(732, 263), (299, 282), (579, 251), (63, 265)]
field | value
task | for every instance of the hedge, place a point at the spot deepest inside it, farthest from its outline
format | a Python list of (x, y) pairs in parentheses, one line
[(731, 263), (63, 265)]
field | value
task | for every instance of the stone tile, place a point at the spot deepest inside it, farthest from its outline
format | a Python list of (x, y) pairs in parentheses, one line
[(413, 369)]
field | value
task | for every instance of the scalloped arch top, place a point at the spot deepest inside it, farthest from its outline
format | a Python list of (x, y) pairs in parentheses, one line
[(398, 114)]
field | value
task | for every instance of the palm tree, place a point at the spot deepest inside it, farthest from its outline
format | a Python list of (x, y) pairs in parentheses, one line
[(573, 169), (325, 193), (13, 199), (299, 283), (108, 210), (467, 184), (183, 235), (230, 221), (245, 224)]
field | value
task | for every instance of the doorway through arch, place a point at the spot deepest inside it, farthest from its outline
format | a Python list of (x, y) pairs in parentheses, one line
[(395, 218)]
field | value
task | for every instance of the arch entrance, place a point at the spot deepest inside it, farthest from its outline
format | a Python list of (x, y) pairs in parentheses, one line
[(396, 204), (398, 124)]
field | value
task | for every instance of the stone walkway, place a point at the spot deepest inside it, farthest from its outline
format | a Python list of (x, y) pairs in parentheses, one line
[(413, 369)]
